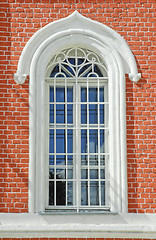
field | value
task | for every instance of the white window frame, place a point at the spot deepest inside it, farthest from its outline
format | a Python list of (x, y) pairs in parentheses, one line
[(77, 83), (77, 30)]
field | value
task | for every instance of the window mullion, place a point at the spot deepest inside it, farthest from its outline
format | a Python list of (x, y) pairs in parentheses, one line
[(88, 141), (55, 142), (99, 182), (66, 138)]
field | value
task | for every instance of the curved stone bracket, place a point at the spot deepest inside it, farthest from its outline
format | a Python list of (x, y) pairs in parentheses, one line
[(19, 77)]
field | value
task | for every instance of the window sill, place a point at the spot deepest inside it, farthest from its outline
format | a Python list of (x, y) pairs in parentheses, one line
[(95, 225)]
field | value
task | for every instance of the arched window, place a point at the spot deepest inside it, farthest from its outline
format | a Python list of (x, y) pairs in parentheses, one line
[(77, 113), (77, 119)]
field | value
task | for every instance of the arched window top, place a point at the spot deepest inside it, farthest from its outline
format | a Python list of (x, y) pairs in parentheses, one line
[(76, 28), (76, 62)]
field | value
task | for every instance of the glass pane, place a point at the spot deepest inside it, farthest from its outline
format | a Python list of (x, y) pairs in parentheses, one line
[(84, 193), (84, 173), (51, 141), (61, 173), (60, 94), (101, 94), (51, 173), (70, 141), (51, 160), (101, 113), (93, 94), (94, 193), (60, 113), (60, 193), (70, 173), (69, 113), (102, 143), (51, 193), (84, 141), (70, 160), (102, 173), (93, 160), (93, 173), (83, 113), (84, 160), (70, 193), (93, 113), (93, 141), (51, 94), (102, 160), (60, 160), (60, 141), (102, 193), (69, 94), (51, 114), (83, 94)]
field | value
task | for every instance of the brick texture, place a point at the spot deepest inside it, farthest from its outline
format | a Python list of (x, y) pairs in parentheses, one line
[(135, 21)]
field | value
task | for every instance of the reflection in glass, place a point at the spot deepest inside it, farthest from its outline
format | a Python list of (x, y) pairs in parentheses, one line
[(60, 173), (93, 94), (70, 141), (70, 113), (83, 113), (70, 159), (51, 94), (84, 173), (60, 160), (93, 141), (83, 141), (51, 173), (60, 94), (70, 193), (102, 193), (60, 141), (102, 145), (94, 193), (51, 160), (93, 173), (93, 113), (60, 113), (51, 114), (101, 94), (102, 173), (102, 114), (69, 94), (93, 159), (83, 94), (84, 159), (70, 173)]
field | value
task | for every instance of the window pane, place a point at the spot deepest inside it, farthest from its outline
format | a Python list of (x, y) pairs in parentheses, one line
[(101, 113), (101, 94), (51, 193), (69, 113), (60, 141), (60, 113), (102, 143), (70, 160), (70, 141), (83, 94), (102, 193), (93, 173), (51, 94), (94, 193), (51, 115), (93, 113), (70, 193), (51, 173), (84, 141), (84, 160), (93, 141), (69, 94), (60, 193), (70, 173), (84, 193), (60, 160), (102, 173), (93, 94), (84, 174), (83, 113), (60, 94), (51, 141), (61, 173), (93, 160), (51, 160)]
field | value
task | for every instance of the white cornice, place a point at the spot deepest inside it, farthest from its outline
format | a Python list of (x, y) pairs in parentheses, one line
[(71, 24), (93, 225)]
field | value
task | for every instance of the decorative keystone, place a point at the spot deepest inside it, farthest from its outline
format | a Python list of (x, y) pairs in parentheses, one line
[(19, 77), (134, 77)]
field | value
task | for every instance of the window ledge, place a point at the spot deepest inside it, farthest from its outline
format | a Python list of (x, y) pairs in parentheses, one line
[(95, 225)]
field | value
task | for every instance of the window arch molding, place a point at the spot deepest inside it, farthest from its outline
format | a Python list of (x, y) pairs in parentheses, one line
[(82, 32)]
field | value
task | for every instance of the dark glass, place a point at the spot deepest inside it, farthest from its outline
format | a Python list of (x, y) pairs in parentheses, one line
[(102, 145), (60, 193), (101, 113), (51, 193), (60, 173), (51, 173), (102, 193)]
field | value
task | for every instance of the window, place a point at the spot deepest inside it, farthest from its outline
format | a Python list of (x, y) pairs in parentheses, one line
[(78, 132), (77, 66)]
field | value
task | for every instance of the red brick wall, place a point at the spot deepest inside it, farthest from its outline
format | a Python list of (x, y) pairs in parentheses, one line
[(134, 20)]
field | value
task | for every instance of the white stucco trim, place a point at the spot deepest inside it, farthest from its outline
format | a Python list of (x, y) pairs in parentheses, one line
[(105, 226), (76, 21)]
